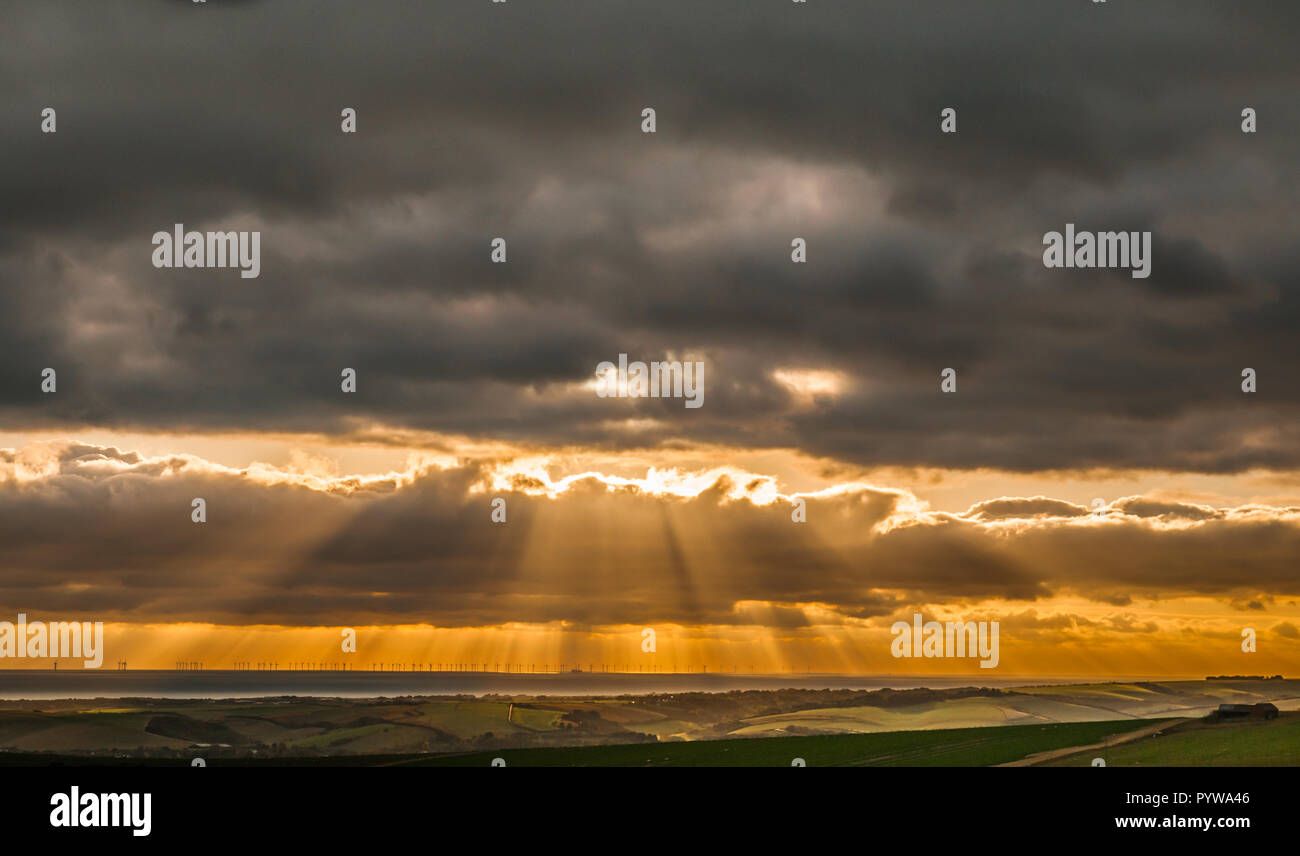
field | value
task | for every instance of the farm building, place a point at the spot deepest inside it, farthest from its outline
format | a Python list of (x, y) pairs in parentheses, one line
[(1266, 710)]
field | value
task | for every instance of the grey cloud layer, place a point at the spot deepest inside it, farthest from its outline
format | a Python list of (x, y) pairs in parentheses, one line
[(522, 120), (94, 530)]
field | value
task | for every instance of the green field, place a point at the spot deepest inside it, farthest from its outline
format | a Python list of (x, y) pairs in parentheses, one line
[(962, 747), (1249, 743)]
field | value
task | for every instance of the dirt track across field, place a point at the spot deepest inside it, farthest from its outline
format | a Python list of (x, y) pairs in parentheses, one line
[(1053, 754)]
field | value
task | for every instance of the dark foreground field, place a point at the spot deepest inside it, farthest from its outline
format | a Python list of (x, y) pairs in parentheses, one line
[(1177, 743), (965, 747), (959, 747)]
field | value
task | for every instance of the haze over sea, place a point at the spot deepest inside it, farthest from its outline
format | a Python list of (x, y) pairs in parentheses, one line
[(52, 684)]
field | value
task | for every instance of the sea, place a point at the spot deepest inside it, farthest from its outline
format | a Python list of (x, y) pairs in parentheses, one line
[(16, 684)]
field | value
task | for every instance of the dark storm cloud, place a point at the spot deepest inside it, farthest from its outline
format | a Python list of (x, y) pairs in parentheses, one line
[(96, 530), (522, 120)]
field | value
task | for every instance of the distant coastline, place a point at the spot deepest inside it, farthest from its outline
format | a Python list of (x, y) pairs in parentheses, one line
[(42, 684)]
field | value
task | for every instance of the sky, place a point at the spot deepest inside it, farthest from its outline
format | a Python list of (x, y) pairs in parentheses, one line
[(1098, 483)]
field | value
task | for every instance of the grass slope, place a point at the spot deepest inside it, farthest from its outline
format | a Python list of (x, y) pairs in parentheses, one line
[(1244, 743)]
